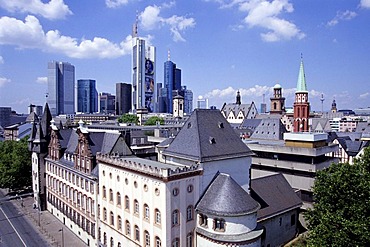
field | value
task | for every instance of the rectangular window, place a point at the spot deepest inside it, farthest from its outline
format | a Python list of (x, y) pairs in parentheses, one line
[(292, 220)]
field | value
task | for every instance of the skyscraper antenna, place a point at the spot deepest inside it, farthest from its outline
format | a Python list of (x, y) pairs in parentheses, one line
[(169, 55), (135, 26), (322, 103)]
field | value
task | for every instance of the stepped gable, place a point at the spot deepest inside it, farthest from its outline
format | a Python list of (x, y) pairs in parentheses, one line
[(207, 136), (274, 194), (225, 197)]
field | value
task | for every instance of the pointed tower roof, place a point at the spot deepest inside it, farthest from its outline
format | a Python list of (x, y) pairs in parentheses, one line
[(238, 98), (225, 197), (301, 83), (45, 121), (207, 136)]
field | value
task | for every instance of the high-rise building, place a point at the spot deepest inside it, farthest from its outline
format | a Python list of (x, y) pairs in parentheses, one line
[(172, 82), (123, 98), (143, 74), (5, 113), (87, 96), (202, 103), (188, 100), (301, 105), (107, 103), (61, 90)]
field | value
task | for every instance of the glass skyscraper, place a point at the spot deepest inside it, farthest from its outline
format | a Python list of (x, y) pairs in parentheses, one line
[(61, 91), (87, 96), (172, 81), (123, 98)]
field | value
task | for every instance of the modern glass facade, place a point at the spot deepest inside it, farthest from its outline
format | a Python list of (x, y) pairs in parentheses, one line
[(172, 82), (87, 96), (107, 103), (123, 98), (61, 91)]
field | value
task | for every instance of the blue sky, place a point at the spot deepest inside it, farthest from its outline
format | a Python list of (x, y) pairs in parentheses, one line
[(221, 46)]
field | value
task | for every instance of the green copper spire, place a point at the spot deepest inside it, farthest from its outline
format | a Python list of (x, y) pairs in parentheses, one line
[(301, 83)]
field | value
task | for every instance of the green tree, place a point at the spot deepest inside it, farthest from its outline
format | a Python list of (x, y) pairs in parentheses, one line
[(128, 118), (15, 164), (153, 121), (341, 213)]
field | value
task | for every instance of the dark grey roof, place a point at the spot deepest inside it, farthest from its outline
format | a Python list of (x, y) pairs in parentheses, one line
[(64, 136), (225, 197), (250, 124), (363, 127), (236, 108), (32, 118), (320, 124), (269, 129), (207, 136), (72, 142), (166, 142), (274, 194)]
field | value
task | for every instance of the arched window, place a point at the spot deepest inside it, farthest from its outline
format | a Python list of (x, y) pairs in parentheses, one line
[(111, 242), (189, 240), (158, 242), (105, 239), (175, 217), (110, 195), (118, 199), (104, 214), (128, 228), (111, 218), (119, 222), (176, 242), (127, 203), (146, 212), (136, 207), (146, 239), (157, 216), (274, 105), (137, 233), (189, 213), (104, 192)]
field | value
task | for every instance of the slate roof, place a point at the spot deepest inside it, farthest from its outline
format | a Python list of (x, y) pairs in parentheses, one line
[(301, 82), (274, 194), (236, 108), (270, 129), (207, 136), (225, 197), (320, 124), (32, 118)]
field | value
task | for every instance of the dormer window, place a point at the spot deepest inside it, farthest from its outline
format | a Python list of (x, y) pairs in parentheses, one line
[(212, 140), (203, 220), (219, 225), (221, 125)]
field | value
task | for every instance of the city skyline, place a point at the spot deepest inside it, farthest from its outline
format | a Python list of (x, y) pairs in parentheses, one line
[(221, 47)]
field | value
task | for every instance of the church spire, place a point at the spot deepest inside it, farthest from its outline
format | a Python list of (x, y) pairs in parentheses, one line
[(238, 98), (301, 83)]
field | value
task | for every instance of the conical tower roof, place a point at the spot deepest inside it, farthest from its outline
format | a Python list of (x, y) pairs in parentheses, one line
[(301, 83), (225, 197), (45, 122)]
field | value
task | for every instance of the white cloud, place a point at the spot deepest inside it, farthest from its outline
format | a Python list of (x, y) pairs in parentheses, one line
[(42, 80), (266, 14), (365, 3), (30, 34), (364, 96), (115, 3), (150, 19), (3, 81), (346, 15), (1, 60), (54, 9)]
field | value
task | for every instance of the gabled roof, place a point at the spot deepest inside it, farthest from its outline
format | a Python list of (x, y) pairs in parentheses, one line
[(207, 136), (225, 197), (32, 118), (274, 194), (236, 108)]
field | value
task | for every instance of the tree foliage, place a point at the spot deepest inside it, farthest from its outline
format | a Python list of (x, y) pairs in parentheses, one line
[(15, 164), (341, 212), (128, 118), (153, 121)]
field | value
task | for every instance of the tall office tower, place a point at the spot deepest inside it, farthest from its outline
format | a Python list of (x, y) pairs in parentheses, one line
[(143, 74), (172, 81), (35, 108), (87, 96), (188, 100), (61, 90), (301, 105), (123, 98), (107, 103), (5, 113)]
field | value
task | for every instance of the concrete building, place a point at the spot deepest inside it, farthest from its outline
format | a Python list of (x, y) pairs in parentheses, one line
[(107, 103), (61, 88)]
